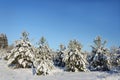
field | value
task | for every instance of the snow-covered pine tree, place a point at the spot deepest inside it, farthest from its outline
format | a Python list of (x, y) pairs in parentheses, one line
[(22, 55), (43, 58), (98, 58), (74, 59), (58, 60)]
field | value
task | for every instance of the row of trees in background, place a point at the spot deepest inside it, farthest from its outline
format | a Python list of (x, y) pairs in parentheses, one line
[(71, 58)]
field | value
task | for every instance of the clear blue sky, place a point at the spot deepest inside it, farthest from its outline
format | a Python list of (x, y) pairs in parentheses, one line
[(62, 20)]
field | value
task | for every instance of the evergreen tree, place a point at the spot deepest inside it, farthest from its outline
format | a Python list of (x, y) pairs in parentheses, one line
[(58, 60), (43, 59), (22, 55), (98, 59), (74, 59)]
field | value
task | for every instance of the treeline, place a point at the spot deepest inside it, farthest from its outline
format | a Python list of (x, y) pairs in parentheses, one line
[(43, 60)]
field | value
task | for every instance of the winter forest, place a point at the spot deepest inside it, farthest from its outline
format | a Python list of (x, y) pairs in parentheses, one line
[(41, 60), (59, 39)]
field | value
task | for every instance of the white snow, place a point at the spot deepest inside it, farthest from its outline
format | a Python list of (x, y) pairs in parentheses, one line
[(7, 73)]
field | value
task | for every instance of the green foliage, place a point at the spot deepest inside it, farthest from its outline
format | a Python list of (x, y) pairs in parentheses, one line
[(74, 44), (98, 43), (42, 41), (75, 62), (25, 36)]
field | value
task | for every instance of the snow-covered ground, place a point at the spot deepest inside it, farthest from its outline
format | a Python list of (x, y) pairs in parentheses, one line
[(7, 73)]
